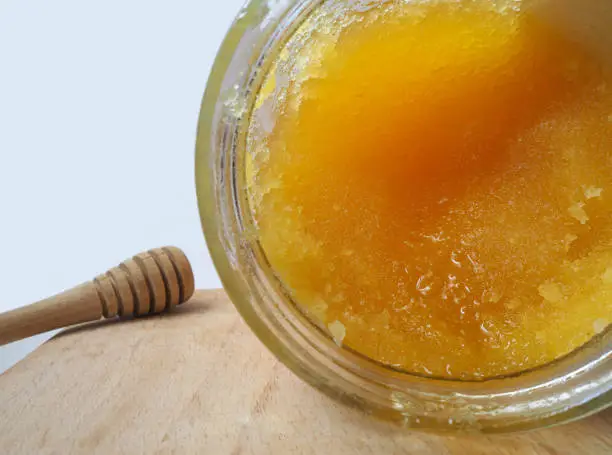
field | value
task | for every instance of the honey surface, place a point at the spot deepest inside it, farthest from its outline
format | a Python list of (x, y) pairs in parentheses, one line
[(432, 182)]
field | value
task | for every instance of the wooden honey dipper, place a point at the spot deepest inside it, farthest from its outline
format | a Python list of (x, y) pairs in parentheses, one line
[(150, 282)]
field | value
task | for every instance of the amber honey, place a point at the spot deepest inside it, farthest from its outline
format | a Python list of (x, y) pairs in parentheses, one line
[(432, 182)]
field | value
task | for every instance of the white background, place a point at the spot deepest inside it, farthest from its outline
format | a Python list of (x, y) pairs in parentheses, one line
[(98, 111)]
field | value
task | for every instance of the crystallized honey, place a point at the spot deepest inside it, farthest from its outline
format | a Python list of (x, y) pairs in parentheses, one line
[(432, 182)]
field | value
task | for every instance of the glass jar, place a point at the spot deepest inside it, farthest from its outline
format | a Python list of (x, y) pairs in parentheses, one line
[(567, 389)]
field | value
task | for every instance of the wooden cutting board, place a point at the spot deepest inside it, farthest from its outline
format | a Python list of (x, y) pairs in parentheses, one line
[(198, 381)]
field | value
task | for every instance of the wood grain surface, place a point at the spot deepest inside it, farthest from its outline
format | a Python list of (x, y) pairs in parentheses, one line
[(198, 381)]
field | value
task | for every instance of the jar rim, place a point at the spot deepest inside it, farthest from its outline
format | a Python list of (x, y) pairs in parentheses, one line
[(566, 389)]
